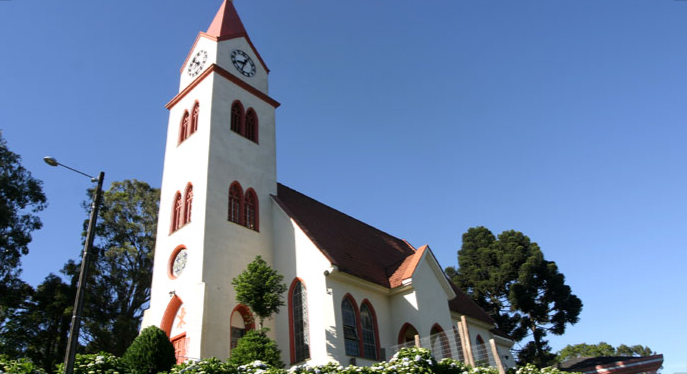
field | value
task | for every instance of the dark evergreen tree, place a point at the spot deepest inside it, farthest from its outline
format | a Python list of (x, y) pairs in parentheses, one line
[(21, 197), (524, 293), (150, 353), (39, 328)]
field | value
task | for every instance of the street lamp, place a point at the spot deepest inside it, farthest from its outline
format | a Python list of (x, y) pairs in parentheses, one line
[(85, 262)]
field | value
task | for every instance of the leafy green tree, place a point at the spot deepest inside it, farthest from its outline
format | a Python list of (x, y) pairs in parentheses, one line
[(260, 288), (21, 197), (46, 320), (119, 282), (256, 345), (150, 353), (602, 349), (511, 280)]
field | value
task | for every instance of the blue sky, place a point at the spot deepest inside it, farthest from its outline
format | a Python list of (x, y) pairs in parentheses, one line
[(561, 119)]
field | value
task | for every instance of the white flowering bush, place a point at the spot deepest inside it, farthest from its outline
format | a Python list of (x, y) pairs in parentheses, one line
[(531, 369), (21, 366), (206, 366), (99, 363)]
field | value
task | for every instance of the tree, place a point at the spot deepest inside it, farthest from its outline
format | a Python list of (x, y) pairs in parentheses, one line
[(39, 328), (150, 353), (510, 279), (602, 349), (256, 345), (21, 197), (121, 273), (260, 288)]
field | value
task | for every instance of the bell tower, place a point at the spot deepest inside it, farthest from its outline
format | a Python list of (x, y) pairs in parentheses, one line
[(219, 173)]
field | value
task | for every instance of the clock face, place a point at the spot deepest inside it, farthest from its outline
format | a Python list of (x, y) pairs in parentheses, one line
[(179, 263), (197, 63), (243, 63)]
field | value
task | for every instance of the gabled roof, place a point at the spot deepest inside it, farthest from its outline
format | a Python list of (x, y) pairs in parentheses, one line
[(354, 247), (463, 304), (361, 250)]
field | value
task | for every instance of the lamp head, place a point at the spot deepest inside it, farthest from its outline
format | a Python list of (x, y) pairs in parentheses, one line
[(50, 161)]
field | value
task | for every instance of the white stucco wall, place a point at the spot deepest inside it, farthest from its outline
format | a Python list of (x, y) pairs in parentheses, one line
[(211, 159)]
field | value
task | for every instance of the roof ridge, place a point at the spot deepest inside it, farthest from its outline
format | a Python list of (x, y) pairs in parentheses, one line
[(410, 247)]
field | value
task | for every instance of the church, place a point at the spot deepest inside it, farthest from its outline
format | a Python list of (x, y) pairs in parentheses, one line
[(355, 293)]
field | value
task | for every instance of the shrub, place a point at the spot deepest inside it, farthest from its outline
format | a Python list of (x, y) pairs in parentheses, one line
[(21, 366), (100, 363), (256, 346), (207, 366), (150, 353)]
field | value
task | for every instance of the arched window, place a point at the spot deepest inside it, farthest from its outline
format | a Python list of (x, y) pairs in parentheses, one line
[(188, 201), (176, 212), (235, 199), (481, 354), (458, 344), (368, 320), (183, 128), (298, 318), (251, 125), (241, 322), (194, 118), (350, 326), (236, 117), (439, 342), (407, 334), (251, 210)]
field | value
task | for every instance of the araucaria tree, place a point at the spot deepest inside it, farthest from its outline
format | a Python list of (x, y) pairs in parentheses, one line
[(119, 285), (260, 288), (511, 280)]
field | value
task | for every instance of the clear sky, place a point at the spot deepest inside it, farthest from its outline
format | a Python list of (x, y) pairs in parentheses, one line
[(565, 120)]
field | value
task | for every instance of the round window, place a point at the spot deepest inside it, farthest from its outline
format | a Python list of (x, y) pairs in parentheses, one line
[(179, 263)]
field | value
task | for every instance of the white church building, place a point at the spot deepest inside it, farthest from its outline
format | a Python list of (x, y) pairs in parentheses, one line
[(355, 293)]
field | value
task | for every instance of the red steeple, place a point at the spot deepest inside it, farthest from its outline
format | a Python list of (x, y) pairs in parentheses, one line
[(227, 23)]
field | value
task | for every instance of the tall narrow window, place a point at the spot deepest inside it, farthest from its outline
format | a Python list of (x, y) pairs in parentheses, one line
[(235, 197), (251, 125), (194, 118), (183, 127), (350, 325), (241, 323), (250, 209), (439, 342), (176, 212), (481, 355), (369, 323), (300, 345), (236, 117), (188, 201)]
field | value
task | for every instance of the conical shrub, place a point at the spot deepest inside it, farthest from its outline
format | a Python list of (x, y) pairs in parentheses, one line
[(150, 353)]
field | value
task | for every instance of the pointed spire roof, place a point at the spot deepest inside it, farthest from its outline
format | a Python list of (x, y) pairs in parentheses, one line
[(227, 23)]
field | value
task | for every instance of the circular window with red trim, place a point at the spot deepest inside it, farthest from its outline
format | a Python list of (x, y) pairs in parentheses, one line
[(177, 262)]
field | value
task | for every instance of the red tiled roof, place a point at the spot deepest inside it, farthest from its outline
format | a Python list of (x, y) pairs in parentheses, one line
[(361, 250), (606, 365), (355, 247)]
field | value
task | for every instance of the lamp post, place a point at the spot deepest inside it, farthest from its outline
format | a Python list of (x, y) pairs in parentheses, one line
[(85, 262)]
